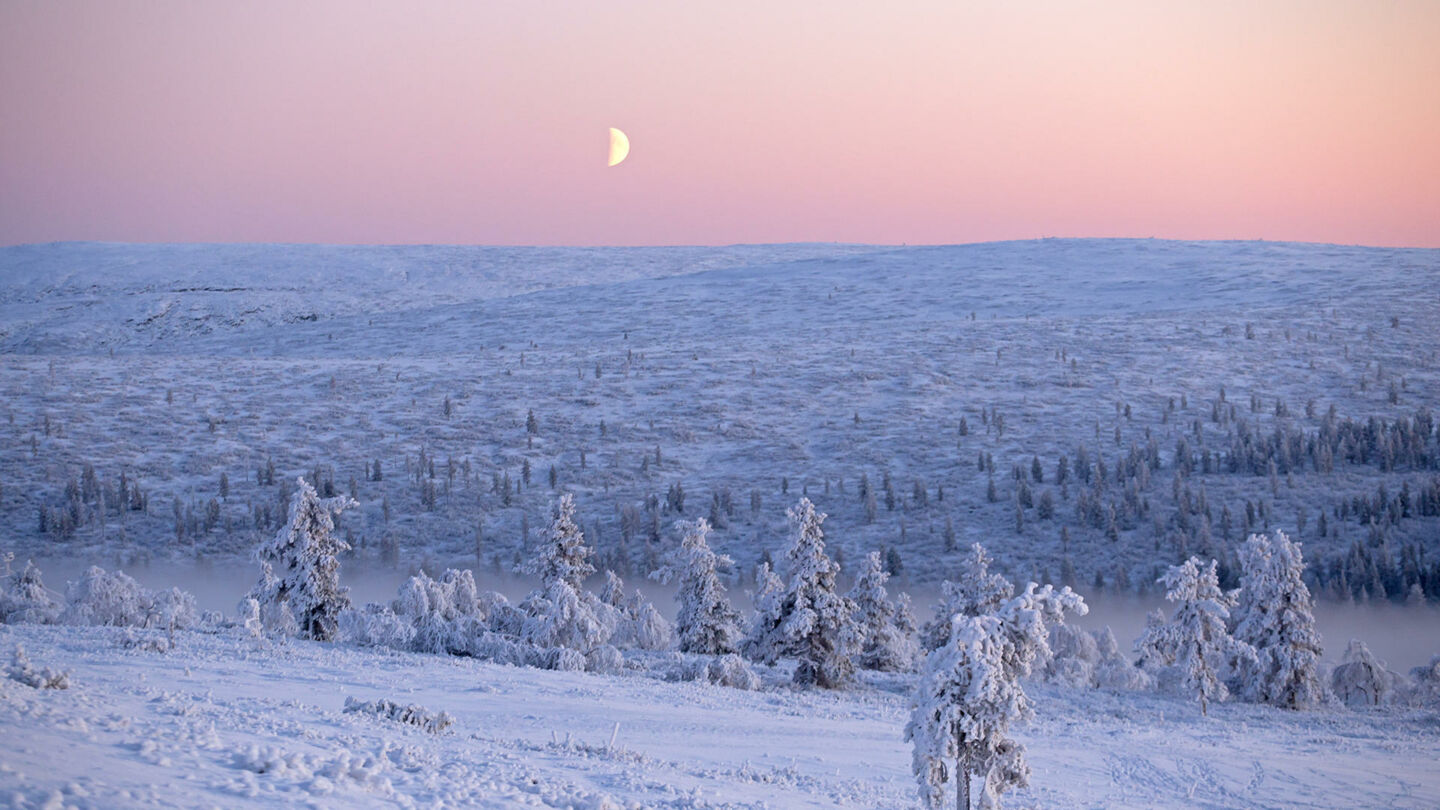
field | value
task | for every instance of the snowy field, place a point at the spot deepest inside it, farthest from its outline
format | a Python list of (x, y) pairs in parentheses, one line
[(225, 722), (1093, 411)]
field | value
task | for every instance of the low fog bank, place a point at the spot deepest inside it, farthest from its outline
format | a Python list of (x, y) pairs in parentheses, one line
[(1403, 636)]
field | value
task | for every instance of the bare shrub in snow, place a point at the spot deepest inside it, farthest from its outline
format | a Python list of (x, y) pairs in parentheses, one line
[(22, 671), (1362, 679), (1275, 616), (409, 714), (1194, 642), (886, 626), (706, 622), (304, 553), (969, 694), (813, 623)]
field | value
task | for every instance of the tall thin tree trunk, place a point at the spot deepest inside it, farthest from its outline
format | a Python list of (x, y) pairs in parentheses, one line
[(962, 787)]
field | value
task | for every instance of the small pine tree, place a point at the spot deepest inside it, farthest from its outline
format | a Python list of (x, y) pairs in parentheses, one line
[(706, 623), (888, 637), (304, 554), (1194, 639), (815, 623), (970, 694), (559, 613)]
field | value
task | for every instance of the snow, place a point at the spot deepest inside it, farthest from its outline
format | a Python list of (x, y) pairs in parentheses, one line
[(222, 721)]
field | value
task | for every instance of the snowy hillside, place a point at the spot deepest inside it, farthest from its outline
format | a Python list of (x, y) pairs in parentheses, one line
[(744, 375)]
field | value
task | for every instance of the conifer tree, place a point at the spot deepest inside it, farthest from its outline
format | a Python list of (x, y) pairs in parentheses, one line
[(299, 569), (706, 623), (888, 631), (1194, 639), (1275, 615), (814, 623), (975, 592)]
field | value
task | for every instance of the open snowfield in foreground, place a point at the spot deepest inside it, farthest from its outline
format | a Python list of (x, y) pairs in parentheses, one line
[(223, 721)]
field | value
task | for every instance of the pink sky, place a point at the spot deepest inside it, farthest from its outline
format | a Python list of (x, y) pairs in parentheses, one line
[(918, 121)]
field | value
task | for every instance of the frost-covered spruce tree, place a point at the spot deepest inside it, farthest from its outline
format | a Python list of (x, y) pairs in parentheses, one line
[(706, 623), (299, 568), (1195, 639), (559, 613), (769, 595), (815, 624), (1275, 615), (888, 636), (976, 592), (969, 695)]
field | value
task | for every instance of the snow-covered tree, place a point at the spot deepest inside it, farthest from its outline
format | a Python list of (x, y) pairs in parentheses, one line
[(970, 694), (644, 627), (444, 615), (976, 592), (1363, 680), (706, 623), (1425, 689), (300, 571), (815, 624), (560, 613), (888, 636), (769, 596), (23, 595), (564, 557), (1195, 640), (1275, 616)]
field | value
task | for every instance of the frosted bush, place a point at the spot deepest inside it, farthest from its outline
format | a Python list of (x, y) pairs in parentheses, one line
[(23, 596), (1362, 679), (732, 671), (605, 660), (376, 626), (1425, 689), (444, 614), (101, 597)]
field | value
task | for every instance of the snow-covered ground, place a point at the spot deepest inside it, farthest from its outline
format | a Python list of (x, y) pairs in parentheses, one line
[(222, 721)]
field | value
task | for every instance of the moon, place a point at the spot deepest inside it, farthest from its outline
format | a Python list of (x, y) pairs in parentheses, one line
[(619, 146)]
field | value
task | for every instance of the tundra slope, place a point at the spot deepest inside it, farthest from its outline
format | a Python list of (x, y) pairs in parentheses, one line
[(746, 374)]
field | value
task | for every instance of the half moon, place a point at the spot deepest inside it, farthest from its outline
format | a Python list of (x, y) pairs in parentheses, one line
[(619, 146)]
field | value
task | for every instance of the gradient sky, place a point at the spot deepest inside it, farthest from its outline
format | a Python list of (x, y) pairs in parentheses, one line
[(914, 121)]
